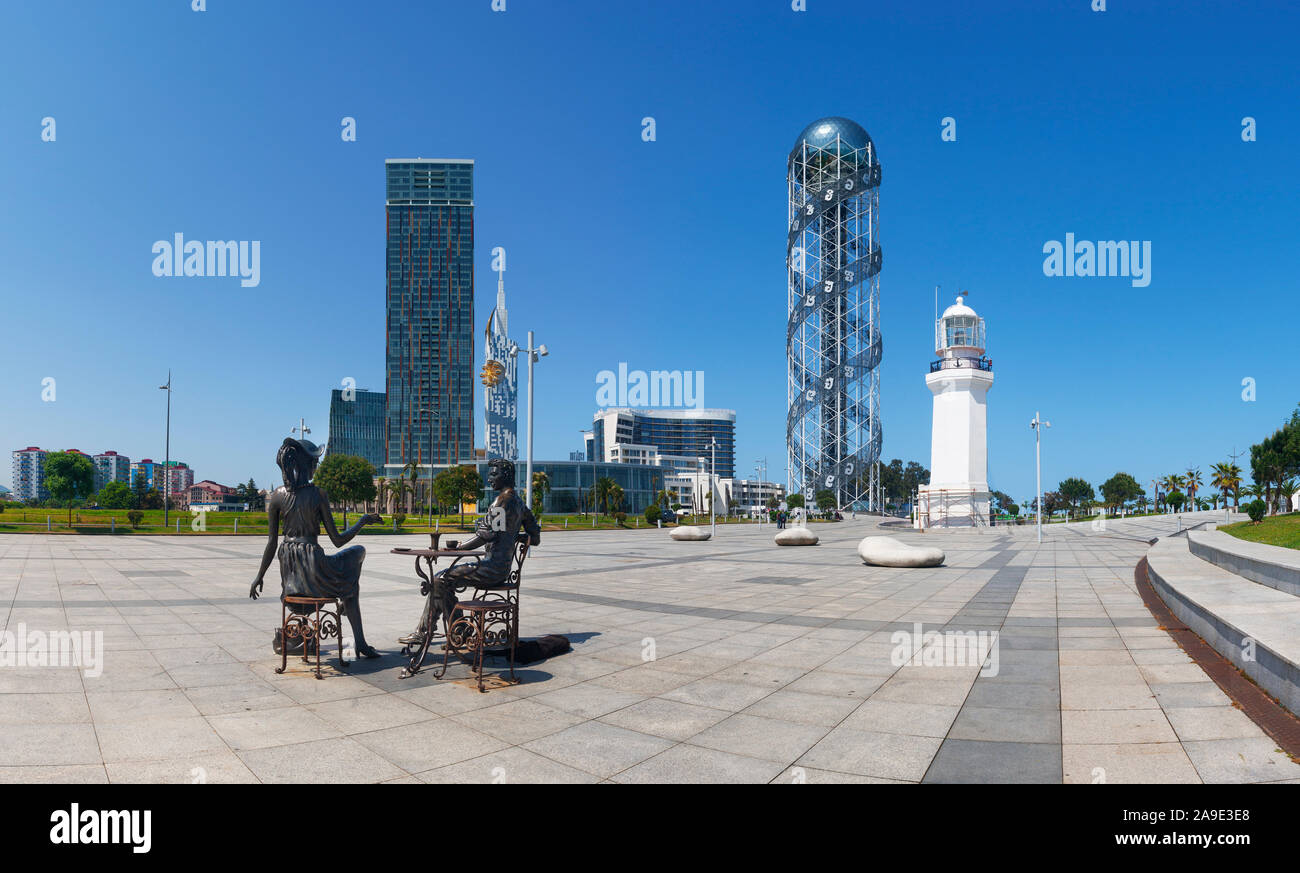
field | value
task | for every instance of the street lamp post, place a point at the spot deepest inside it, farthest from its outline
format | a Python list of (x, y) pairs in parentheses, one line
[(713, 465), (533, 355), (431, 413), (1038, 424), (167, 450)]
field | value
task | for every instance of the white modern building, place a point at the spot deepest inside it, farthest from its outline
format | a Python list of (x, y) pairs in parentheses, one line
[(675, 438), (692, 490), (958, 493)]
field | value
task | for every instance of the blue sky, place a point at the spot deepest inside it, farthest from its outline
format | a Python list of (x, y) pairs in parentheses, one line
[(225, 124)]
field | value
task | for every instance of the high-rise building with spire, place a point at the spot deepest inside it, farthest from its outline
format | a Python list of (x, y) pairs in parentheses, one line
[(500, 385)]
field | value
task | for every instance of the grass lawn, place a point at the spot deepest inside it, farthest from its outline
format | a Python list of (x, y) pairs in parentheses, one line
[(101, 521), (1276, 530)]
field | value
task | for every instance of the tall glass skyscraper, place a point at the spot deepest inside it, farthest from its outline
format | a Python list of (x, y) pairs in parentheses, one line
[(430, 333)]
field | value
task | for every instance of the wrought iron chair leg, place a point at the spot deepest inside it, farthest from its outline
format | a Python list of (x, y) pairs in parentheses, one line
[(284, 637), (338, 609), (479, 625), (319, 642), (514, 640)]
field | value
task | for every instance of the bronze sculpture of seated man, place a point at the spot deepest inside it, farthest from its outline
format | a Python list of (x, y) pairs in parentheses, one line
[(496, 532)]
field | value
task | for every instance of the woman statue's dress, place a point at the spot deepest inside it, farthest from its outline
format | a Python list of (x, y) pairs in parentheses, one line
[(305, 569)]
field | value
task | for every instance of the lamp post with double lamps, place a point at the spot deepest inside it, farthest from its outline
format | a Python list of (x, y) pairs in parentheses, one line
[(533, 355), (1038, 424)]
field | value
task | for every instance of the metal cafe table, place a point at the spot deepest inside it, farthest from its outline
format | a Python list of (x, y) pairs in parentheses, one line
[(430, 557)]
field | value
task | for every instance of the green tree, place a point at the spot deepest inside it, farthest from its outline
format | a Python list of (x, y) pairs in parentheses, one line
[(135, 516), (469, 487), (1192, 479), (614, 498), (1226, 477), (1176, 499), (541, 487), (411, 471), (139, 490), (600, 492), (116, 495), (347, 479), (652, 513), (69, 477), (1118, 490), (446, 490), (825, 500), (795, 501), (1075, 490)]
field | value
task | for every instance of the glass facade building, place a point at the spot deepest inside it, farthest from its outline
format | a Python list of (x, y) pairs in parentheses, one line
[(681, 432), (357, 425), (571, 483), (430, 309)]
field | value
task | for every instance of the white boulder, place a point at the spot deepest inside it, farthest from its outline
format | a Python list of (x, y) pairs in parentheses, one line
[(795, 536), (889, 552), (690, 532)]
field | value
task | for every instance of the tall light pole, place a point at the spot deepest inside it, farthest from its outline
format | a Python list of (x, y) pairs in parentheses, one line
[(1038, 424), (431, 413), (167, 450), (533, 355), (302, 429), (713, 465)]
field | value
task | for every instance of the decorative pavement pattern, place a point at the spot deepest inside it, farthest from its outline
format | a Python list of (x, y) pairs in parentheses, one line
[(731, 660)]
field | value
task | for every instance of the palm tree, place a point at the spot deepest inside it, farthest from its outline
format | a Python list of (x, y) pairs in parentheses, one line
[(1222, 478), (614, 498), (1171, 483), (396, 489), (600, 492), (412, 470), (1286, 488), (381, 493), (1193, 482)]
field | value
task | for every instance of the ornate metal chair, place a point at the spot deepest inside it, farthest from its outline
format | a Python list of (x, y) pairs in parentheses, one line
[(488, 623), (313, 626)]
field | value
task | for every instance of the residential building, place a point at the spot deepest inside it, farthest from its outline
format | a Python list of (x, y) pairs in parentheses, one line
[(111, 467), (29, 474)]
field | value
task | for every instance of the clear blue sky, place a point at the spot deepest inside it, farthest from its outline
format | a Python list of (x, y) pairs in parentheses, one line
[(225, 125)]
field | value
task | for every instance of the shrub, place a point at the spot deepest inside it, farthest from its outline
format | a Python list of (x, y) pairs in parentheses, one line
[(652, 513), (1256, 509), (620, 517), (135, 516), (399, 518)]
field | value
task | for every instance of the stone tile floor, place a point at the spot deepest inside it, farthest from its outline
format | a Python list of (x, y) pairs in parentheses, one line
[(732, 660)]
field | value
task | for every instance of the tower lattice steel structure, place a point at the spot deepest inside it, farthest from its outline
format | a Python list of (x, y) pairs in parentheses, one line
[(833, 344)]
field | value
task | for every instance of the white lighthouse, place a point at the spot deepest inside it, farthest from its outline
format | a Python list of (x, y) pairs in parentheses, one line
[(958, 493)]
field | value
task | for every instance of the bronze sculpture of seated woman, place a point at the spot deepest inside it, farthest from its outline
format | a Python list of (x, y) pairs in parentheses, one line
[(305, 569)]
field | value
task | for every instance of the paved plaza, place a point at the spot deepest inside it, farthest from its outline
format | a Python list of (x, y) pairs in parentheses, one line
[(729, 660)]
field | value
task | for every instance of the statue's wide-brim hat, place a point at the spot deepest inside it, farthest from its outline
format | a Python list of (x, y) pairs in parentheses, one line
[(307, 446)]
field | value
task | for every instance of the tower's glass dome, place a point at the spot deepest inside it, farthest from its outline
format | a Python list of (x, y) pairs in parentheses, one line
[(822, 132)]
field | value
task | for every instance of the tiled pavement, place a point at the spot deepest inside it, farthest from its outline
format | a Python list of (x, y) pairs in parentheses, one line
[(729, 660)]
